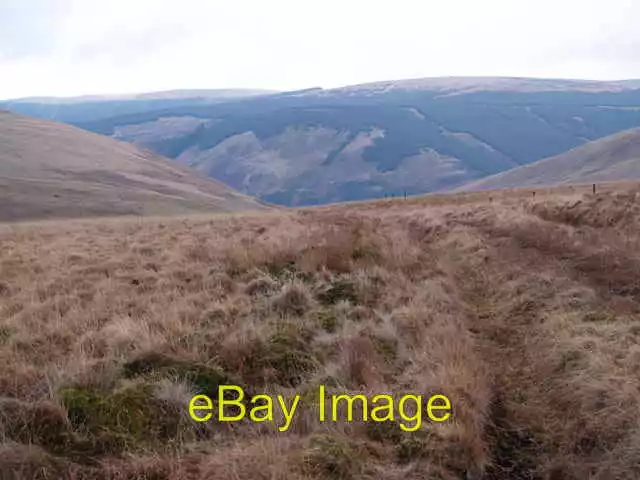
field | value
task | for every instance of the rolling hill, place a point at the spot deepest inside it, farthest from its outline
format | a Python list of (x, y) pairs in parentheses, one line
[(50, 169), (366, 141), (613, 158)]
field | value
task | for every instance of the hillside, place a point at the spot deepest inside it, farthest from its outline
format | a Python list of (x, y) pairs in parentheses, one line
[(460, 85), (186, 94), (92, 107), (367, 141), (613, 158), (50, 169), (523, 314)]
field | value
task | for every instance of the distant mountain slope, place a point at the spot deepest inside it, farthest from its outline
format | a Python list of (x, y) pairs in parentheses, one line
[(50, 169), (184, 94), (92, 107), (456, 85), (366, 141), (613, 158)]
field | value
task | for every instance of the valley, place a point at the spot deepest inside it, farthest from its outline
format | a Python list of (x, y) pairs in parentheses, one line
[(368, 141)]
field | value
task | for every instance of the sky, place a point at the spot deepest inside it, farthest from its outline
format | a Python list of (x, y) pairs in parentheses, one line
[(80, 47)]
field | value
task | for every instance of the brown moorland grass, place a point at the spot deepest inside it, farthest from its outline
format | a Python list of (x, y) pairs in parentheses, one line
[(523, 312)]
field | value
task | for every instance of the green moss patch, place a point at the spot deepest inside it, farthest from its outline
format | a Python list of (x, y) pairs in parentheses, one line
[(387, 347), (599, 317), (281, 270), (121, 420), (290, 358), (335, 458), (329, 457), (367, 252), (411, 447), (384, 432), (204, 379), (327, 319), (5, 334), (341, 289)]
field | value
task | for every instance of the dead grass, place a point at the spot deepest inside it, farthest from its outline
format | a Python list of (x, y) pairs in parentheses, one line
[(523, 313)]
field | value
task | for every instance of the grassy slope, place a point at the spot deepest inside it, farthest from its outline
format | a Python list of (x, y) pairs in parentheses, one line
[(612, 158), (51, 170), (524, 313)]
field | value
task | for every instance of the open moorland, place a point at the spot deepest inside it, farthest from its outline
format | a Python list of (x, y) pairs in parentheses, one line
[(523, 311)]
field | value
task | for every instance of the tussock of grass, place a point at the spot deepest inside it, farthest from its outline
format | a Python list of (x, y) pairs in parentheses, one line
[(281, 357), (42, 423), (294, 300)]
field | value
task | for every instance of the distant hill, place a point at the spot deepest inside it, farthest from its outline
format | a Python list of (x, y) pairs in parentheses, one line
[(92, 107), (613, 158), (50, 169), (317, 146), (457, 85), (184, 94)]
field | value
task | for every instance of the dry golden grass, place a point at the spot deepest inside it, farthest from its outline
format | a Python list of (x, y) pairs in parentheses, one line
[(523, 312)]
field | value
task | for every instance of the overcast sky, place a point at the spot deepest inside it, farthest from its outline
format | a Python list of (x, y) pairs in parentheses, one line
[(75, 47)]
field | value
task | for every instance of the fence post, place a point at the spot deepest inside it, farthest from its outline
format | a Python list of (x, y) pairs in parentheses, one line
[(594, 188), (534, 194), (405, 194)]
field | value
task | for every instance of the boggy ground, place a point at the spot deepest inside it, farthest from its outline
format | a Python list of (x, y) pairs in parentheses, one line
[(524, 313)]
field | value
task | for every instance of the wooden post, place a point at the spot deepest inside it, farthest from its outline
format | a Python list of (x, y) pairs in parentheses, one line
[(405, 194), (534, 194), (594, 188)]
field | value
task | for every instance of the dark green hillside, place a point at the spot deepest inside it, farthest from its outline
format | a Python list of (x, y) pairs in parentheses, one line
[(523, 126), (89, 112)]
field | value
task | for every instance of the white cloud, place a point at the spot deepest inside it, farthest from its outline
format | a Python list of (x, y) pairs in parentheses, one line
[(69, 47)]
